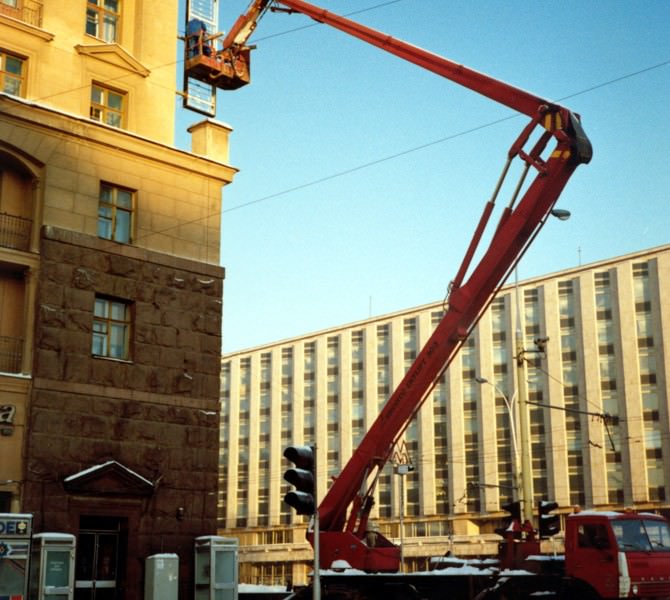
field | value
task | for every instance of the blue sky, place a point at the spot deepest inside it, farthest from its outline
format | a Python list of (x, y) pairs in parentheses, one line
[(362, 176)]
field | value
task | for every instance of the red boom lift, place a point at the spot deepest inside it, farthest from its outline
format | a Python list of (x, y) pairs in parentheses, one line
[(608, 555), (344, 511)]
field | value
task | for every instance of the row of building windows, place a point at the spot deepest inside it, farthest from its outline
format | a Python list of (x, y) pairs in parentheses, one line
[(349, 356), (647, 367), (108, 105), (103, 19)]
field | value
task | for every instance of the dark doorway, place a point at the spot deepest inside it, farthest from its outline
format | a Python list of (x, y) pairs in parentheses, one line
[(102, 548)]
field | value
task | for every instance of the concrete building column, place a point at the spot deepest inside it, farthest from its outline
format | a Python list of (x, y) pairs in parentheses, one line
[(557, 443), (633, 453)]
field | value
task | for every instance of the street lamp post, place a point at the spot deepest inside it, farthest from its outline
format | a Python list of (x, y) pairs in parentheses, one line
[(524, 433), (402, 470), (510, 405)]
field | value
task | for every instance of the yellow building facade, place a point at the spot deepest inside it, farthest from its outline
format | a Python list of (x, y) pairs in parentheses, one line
[(110, 284)]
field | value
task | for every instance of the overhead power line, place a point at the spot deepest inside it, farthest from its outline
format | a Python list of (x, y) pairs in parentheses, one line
[(447, 138), (380, 160)]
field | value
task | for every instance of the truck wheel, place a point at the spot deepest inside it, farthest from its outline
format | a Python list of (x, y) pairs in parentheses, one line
[(577, 592)]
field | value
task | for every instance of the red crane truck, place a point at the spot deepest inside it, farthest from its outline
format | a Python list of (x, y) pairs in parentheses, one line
[(612, 567), (608, 555)]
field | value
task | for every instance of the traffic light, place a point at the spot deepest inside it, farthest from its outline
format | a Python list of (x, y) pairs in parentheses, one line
[(302, 477), (512, 526), (548, 524)]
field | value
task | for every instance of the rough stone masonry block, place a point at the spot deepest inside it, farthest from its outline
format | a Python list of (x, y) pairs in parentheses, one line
[(91, 426), (51, 315), (122, 287), (85, 279), (147, 314), (46, 422), (108, 373), (78, 299), (167, 337), (166, 298), (49, 338), (171, 358), (80, 321), (48, 364), (52, 293), (76, 368), (145, 333), (106, 407), (123, 266)]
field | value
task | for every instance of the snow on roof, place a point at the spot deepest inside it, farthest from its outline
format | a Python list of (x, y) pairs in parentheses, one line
[(464, 569), (545, 557), (250, 588), (454, 560), (54, 537), (109, 463), (615, 515), (596, 513)]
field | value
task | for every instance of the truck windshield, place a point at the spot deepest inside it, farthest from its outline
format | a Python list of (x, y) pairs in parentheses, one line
[(635, 535)]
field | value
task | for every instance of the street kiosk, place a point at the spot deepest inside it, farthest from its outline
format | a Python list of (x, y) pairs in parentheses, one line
[(216, 568), (15, 532), (52, 567)]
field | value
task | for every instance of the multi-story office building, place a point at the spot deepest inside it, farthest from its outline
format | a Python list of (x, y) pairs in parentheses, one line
[(110, 288), (598, 402)]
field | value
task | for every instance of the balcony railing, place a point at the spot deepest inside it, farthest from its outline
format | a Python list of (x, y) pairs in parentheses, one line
[(11, 353), (28, 11), (14, 231)]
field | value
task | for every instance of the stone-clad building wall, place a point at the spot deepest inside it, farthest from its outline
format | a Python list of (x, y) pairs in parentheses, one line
[(177, 314), (156, 414)]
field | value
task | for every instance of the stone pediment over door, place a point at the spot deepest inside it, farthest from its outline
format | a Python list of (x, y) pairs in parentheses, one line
[(108, 479)]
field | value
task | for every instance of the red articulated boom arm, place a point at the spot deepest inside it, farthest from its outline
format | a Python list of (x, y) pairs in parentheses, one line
[(344, 511)]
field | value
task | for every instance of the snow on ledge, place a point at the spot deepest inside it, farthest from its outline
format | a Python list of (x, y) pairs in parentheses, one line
[(109, 463)]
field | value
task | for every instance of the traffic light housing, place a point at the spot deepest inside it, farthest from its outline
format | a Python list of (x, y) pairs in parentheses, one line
[(512, 526), (548, 524), (302, 476)]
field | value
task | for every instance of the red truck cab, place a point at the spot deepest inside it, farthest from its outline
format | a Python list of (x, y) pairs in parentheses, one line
[(618, 555)]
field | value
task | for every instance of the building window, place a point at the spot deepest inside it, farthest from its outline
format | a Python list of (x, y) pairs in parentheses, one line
[(115, 213), (102, 19), (111, 328), (107, 106), (12, 74)]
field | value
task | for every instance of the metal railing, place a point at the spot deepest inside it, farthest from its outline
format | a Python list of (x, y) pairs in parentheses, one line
[(15, 231), (11, 353), (28, 11)]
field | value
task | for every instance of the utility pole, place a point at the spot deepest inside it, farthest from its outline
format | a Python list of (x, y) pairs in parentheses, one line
[(402, 466), (526, 485), (402, 470), (512, 414)]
